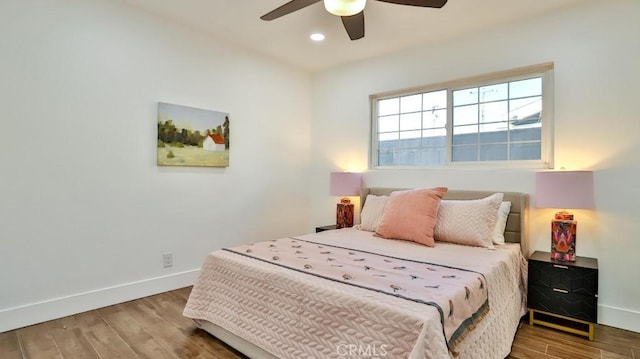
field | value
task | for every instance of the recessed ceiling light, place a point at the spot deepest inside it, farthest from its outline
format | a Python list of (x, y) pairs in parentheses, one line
[(317, 36)]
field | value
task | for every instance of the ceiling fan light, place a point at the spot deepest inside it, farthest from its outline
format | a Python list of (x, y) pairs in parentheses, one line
[(344, 7)]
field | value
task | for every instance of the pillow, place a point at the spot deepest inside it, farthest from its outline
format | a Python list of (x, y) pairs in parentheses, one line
[(411, 215), (469, 222), (372, 212), (501, 222)]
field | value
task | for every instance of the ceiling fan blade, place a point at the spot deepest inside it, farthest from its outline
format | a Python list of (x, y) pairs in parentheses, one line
[(422, 3), (354, 25), (288, 8)]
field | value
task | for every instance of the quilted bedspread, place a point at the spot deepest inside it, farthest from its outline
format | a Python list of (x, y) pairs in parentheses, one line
[(348, 294)]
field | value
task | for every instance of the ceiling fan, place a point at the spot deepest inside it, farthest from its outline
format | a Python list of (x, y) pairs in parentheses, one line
[(350, 11)]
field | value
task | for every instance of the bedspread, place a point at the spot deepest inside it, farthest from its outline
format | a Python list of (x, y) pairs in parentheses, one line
[(459, 295), (292, 314)]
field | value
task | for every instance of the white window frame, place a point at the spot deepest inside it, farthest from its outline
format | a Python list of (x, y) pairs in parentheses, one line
[(545, 71)]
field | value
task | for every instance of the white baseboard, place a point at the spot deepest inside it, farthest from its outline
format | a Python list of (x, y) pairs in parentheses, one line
[(18, 317), (619, 318)]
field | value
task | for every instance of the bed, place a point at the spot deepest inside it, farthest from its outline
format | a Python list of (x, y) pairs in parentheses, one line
[(262, 299)]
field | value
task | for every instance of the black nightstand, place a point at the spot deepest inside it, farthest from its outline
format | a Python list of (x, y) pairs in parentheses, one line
[(563, 295), (325, 228)]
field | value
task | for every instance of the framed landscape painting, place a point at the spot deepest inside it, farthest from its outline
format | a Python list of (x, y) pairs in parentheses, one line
[(189, 136)]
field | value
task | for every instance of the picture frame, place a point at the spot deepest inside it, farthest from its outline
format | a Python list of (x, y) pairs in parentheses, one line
[(189, 136)]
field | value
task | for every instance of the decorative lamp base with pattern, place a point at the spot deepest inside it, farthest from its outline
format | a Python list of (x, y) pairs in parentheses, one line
[(344, 213), (563, 237)]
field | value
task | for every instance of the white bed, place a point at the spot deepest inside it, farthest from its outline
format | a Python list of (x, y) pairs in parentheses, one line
[(267, 311)]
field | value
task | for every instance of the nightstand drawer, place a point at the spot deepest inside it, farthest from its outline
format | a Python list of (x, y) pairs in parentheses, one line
[(559, 301), (565, 277)]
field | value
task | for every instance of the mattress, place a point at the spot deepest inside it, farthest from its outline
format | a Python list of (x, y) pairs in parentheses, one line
[(294, 314)]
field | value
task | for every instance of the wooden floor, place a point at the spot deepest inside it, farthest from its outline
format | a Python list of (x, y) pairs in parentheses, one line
[(151, 327), (154, 327), (537, 342)]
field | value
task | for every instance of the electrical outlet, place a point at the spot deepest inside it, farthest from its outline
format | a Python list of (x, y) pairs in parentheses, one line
[(167, 260)]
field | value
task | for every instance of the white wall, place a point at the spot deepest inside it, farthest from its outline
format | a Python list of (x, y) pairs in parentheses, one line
[(85, 213), (596, 52)]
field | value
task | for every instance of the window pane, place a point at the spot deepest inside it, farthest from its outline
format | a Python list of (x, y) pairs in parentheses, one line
[(465, 139), (442, 132), (389, 107), (434, 156), (525, 88), (464, 153), (459, 130), (525, 151), (389, 145), (465, 115), (388, 136), (388, 124), (434, 141), (493, 127), (406, 158), (385, 158), (494, 92), (493, 152), (526, 134), (411, 103), (525, 111), (434, 119), (410, 121), (410, 134), (408, 143), (465, 97), (495, 112), (434, 100), (493, 136)]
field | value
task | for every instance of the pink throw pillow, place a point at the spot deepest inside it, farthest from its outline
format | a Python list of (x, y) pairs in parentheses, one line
[(411, 215)]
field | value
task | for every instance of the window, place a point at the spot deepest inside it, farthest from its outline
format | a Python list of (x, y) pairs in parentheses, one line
[(502, 119)]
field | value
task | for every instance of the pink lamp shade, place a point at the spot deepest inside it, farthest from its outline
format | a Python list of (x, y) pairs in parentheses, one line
[(565, 190), (345, 184)]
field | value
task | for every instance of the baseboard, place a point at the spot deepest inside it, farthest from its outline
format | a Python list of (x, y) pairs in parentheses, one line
[(619, 318), (18, 317)]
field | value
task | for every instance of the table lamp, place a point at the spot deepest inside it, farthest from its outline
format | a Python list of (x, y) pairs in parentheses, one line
[(345, 184), (564, 190)]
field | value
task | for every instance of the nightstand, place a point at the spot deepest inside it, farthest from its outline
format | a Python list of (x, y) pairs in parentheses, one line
[(325, 228), (563, 295)]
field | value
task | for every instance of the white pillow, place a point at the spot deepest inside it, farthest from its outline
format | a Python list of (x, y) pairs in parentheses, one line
[(372, 212), (501, 222), (468, 222)]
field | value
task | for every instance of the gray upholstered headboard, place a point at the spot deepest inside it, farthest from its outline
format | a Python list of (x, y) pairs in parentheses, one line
[(516, 230)]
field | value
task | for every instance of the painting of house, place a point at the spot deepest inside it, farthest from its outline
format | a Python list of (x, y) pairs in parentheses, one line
[(189, 136)]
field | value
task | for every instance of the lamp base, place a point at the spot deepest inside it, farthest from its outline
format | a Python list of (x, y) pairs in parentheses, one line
[(344, 215), (563, 240)]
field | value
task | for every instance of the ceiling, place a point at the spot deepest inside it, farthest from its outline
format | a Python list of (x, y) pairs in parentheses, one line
[(389, 27)]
